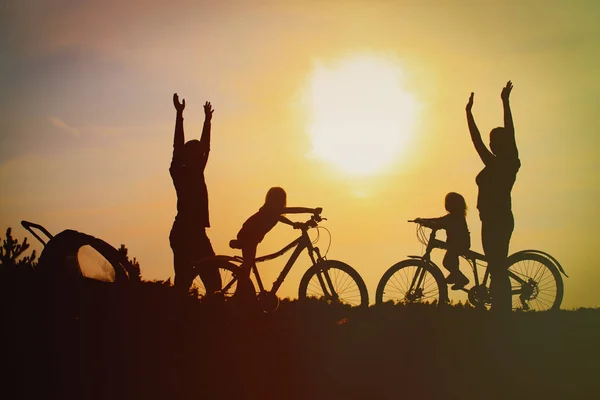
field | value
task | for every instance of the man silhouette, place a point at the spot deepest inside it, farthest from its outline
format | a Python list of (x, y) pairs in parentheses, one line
[(188, 237)]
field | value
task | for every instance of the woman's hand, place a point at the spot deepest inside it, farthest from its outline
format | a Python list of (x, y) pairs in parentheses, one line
[(506, 91), (470, 102), (208, 111), (178, 106)]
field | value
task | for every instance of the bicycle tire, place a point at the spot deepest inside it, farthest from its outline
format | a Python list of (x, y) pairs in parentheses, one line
[(396, 281), (544, 288), (228, 273), (348, 285)]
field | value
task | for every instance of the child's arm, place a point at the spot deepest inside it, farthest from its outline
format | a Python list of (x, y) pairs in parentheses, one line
[(302, 210), (437, 223), (296, 225), (297, 210)]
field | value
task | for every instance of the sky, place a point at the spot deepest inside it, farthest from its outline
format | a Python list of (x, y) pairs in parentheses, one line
[(86, 121)]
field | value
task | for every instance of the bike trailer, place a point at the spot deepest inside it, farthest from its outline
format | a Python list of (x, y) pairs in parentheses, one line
[(74, 255)]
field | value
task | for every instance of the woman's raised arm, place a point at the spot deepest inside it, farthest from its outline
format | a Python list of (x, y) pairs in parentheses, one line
[(508, 120), (482, 150)]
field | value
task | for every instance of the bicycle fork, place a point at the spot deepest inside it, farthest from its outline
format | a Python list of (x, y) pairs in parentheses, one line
[(415, 291), (323, 275), (326, 284)]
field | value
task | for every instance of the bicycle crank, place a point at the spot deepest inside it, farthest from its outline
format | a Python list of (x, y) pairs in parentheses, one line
[(479, 296), (268, 302)]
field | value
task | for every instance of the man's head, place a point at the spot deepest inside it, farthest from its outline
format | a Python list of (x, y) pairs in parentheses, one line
[(192, 152)]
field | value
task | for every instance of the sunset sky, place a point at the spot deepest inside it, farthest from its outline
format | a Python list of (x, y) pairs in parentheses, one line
[(86, 121)]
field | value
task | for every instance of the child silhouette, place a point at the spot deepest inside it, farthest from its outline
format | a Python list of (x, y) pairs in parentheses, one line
[(458, 238), (257, 226)]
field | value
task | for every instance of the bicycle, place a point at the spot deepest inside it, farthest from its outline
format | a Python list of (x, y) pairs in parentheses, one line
[(535, 276), (331, 280)]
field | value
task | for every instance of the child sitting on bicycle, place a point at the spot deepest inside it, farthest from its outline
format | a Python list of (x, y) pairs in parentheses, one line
[(458, 238), (257, 226)]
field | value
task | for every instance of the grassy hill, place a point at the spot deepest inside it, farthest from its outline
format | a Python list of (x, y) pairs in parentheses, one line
[(147, 342)]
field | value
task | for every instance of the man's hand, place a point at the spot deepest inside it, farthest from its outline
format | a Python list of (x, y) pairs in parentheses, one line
[(208, 111), (470, 102), (178, 106), (506, 91), (318, 210)]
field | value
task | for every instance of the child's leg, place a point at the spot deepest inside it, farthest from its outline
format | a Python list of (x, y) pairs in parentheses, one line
[(450, 261), (245, 287)]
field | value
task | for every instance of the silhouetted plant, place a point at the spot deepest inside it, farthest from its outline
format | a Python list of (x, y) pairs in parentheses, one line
[(132, 266), (11, 250)]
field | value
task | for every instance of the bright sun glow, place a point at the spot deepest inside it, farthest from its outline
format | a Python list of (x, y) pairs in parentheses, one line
[(360, 117)]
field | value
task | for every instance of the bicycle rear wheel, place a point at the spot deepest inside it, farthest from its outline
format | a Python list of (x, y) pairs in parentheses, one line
[(334, 281), (412, 281), (227, 273), (536, 283)]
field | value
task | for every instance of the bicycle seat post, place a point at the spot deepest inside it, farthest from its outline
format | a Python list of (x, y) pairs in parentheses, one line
[(258, 279)]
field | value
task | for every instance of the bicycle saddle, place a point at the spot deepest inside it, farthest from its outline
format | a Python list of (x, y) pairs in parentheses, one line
[(235, 244)]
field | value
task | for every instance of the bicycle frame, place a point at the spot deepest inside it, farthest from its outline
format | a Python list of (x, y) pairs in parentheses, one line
[(300, 243), (470, 256)]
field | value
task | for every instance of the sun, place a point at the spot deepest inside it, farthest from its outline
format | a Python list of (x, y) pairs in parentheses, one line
[(360, 118)]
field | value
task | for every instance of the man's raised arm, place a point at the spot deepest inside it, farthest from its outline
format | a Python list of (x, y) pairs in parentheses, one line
[(178, 138), (205, 138)]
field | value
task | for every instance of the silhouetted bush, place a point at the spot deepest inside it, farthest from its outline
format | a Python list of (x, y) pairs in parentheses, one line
[(132, 266), (11, 253)]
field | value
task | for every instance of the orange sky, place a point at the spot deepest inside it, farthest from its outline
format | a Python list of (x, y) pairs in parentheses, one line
[(86, 121)]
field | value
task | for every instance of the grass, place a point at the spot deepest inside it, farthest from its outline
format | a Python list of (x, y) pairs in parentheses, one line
[(147, 342)]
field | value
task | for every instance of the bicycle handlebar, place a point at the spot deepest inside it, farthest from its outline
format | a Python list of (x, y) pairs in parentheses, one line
[(430, 225), (313, 222)]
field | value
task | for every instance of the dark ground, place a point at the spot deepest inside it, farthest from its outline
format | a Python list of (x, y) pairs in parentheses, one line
[(147, 343)]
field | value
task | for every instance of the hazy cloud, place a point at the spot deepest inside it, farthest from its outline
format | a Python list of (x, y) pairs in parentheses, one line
[(63, 126)]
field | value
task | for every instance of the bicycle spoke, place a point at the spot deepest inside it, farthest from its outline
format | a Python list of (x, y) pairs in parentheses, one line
[(539, 286), (400, 287), (335, 284), (228, 281), (343, 282)]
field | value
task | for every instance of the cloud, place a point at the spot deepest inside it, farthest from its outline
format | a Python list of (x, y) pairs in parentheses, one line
[(60, 124)]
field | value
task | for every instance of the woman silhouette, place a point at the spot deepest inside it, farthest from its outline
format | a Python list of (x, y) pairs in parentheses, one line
[(495, 184)]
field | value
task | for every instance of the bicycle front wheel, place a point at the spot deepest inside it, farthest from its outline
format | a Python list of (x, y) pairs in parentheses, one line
[(536, 283), (227, 274), (334, 281), (412, 281)]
